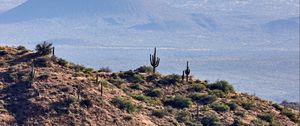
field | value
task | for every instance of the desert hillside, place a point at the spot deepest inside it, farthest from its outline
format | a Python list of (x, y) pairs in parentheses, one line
[(39, 89)]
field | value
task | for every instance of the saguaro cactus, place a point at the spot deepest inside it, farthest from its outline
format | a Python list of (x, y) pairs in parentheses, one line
[(187, 71), (154, 61), (32, 73), (182, 76), (53, 51)]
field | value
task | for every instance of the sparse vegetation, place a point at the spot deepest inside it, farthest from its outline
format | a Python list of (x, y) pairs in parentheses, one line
[(197, 87), (220, 107), (248, 105), (124, 104), (44, 48), (144, 69), (172, 79), (155, 92), (72, 93), (179, 102), (221, 85)]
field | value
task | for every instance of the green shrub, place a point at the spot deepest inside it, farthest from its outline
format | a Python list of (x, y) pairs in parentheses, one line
[(153, 77), (78, 68), (210, 120), (220, 107), (44, 48), (172, 79), (88, 71), (86, 103), (189, 123), (179, 102), (131, 76), (3, 53), (182, 116), (240, 113), (248, 105), (42, 62), (221, 85), (105, 69), (258, 122), (237, 122), (62, 62), (135, 86), (197, 87), (218, 93), (117, 82), (159, 113), (139, 97), (207, 99), (277, 107), (157, 92), (293, 117), (144, 69), (266, 117), (232, 105), (196, 96), (124, 104), (21, 47)]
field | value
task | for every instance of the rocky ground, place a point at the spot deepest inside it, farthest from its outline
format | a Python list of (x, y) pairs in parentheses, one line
[(45, 90)]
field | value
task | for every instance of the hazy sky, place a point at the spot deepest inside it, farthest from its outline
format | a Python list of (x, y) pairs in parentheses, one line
[(8, 4)]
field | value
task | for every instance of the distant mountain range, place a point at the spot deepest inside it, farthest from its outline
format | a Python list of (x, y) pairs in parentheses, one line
[(226, 21)]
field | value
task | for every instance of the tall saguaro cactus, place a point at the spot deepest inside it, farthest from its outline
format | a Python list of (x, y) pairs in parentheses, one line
[(32, 73), (154, 61), (187, 71), (182, 76), (53, 51)]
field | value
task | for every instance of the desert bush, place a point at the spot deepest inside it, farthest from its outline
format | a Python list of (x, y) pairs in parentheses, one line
[(182, 116), (135, 86), (232, 105), (207, 99), (88, 71), (156, 92), (43, 77), (124, 104), (210, 120), (117, 82), (3, 53), (159, 113), (293, 117), (240, 113), (179, 102), (237, 122), (189, 123), (153, 77), (21, 47), (248, 105), (86, 103), (221, 85), (266, 117), (220, 107), (218, 93), (258, 122), (132, 77), (196, 96), (277, 107), (140, 97), (105, 69), (127, 117), (44, 48), (197, 87), (144, 69), (77, 67), (62, 62), (42, 62), (172, 79)]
